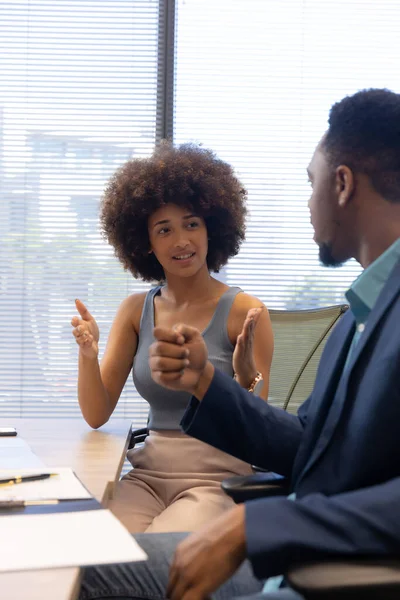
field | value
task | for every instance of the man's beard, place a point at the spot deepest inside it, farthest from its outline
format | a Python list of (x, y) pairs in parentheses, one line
[(326, 256)]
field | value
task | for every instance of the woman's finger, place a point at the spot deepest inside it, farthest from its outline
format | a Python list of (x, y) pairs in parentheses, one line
[(252, 328), (84, 340), (83, 311), (79, 331), (240, 341), (256, 315), (247, 328)]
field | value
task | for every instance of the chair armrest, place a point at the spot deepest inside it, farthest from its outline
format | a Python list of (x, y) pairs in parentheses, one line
[(259, 485), (350, 579), (137, 437)]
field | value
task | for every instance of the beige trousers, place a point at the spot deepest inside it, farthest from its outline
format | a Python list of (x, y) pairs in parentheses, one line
[(175, 484)]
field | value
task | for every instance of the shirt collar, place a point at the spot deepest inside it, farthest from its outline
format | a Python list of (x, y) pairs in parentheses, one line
[(365, 290)]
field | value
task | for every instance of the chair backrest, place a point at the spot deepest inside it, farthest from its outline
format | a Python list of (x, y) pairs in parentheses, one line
[(299, 338)]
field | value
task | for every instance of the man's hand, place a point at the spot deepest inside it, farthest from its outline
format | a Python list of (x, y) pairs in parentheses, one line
[(178, 360), (208, 558)]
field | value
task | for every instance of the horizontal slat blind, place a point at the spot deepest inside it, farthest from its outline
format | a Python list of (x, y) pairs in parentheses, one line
[(254, 81), (78, 96), (80, 93)]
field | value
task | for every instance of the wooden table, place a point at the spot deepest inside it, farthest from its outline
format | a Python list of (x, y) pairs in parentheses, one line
[(97, 458)]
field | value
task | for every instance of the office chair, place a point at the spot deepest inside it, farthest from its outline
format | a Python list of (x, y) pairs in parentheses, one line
[(299, 339)]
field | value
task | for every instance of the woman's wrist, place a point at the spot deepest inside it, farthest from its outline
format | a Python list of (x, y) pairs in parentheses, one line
[(87, 360), (245, 379), (250, 381)]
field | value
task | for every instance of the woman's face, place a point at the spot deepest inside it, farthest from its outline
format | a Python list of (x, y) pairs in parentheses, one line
[(178, 239)]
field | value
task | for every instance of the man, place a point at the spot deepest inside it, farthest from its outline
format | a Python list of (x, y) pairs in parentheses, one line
[(341, 452)]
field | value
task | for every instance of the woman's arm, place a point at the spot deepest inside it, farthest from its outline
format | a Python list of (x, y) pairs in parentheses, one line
[(99, 387), (251, 333)]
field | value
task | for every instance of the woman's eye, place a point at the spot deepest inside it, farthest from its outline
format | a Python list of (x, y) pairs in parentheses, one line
[(163, 230), (193, 224)]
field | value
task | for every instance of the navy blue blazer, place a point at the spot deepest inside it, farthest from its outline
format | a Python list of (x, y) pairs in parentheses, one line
[(341, 452)]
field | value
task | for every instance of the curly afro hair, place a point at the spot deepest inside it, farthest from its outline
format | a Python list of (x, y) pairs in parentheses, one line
[(186, 175)]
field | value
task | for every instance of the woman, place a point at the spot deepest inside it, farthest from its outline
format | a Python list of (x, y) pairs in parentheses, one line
[(173, 218)]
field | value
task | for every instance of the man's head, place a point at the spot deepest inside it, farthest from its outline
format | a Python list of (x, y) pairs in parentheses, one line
[(355, 174)]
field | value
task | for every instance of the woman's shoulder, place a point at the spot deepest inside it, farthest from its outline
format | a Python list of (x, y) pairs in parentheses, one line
[(244, 302), (133, 302), (131, 309)]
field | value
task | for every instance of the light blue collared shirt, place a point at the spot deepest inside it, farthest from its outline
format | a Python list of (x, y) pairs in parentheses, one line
[(362, 297), (365, 290)]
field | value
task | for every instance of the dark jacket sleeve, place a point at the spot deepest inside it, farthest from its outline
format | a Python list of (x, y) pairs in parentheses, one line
[(281, 532), (244, 425)]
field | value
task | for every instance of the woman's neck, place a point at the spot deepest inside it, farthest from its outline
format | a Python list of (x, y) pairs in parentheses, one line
[(192, 290)]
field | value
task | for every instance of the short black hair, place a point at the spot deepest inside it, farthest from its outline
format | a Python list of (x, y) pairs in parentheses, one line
[(187, 175), (364, 134)]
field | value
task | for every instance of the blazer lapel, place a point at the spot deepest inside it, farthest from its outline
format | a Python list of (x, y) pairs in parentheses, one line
[(333, 400)]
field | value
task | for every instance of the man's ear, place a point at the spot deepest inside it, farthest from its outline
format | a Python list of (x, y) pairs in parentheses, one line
[(344, 184)]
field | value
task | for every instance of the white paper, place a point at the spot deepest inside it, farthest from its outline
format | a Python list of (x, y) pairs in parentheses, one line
[(16, 454), (72, 539), (66, 486)]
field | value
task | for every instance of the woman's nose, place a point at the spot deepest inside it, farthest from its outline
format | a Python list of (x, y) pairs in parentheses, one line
[(181, 242)]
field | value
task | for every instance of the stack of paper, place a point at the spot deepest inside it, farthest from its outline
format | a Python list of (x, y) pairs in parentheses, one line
[(65, 540), (65, 486)]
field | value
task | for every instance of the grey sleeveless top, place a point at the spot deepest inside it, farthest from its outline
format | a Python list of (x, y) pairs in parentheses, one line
[(166, 406)]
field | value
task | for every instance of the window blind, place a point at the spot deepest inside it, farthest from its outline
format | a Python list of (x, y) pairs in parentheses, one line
[(86, 84), (78, 97), (254, 80)]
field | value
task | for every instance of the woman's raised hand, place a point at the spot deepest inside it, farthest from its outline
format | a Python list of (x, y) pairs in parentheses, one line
[(85, 331), (243, 356)]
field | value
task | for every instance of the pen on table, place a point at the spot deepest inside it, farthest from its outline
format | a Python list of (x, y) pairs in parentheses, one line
[(26, 478), (23, 503)]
